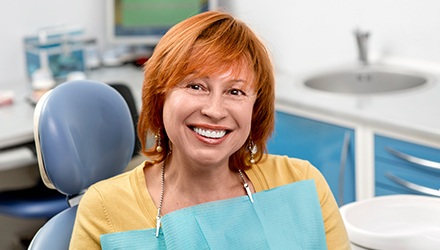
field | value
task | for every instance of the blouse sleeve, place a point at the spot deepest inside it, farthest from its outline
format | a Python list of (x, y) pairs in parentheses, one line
[(91, 221)]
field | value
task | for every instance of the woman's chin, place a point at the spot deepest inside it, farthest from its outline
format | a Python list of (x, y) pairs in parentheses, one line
[(213, 159)]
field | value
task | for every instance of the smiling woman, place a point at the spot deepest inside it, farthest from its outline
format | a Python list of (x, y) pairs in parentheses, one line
[(208, 100), (204, 46)]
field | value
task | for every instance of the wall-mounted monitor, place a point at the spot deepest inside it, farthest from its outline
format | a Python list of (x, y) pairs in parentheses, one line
[(144, 22)]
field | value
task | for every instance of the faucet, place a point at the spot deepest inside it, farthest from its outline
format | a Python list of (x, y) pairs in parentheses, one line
[(362, 39)]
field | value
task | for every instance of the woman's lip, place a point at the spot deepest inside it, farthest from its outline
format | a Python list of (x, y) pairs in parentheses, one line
[(210, 140), (209, 127)]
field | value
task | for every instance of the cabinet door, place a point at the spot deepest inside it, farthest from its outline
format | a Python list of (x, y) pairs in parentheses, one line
[(403, 167), (328, 147)]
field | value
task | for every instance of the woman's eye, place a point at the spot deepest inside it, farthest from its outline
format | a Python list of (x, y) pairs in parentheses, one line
[(194, 86), (236, 92)]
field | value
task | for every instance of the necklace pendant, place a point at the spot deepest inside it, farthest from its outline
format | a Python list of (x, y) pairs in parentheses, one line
[(246, 186), (158, 218), (248, 192)]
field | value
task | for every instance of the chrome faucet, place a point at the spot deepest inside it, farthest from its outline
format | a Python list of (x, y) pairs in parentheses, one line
[(362, 43)]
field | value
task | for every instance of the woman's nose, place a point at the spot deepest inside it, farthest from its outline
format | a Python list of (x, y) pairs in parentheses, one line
[(214, 107)]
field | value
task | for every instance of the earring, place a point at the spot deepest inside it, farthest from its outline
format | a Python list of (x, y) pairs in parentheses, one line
[(158, 146), (252, 150)]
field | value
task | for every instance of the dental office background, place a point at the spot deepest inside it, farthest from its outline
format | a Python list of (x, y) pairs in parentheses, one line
[(303, 36)]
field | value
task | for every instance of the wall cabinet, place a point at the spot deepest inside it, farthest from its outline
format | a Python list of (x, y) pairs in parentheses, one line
[(403, 167), (328, 147)]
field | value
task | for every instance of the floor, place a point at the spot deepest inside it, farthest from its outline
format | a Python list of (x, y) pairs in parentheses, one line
[(15, 233)]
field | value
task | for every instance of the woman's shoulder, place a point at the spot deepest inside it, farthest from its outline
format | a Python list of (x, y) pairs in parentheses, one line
[(283, 164), (107, 197), (276, 170), (113, 186)]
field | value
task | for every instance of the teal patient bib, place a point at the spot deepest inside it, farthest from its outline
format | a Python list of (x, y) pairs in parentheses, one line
[(286, 217)]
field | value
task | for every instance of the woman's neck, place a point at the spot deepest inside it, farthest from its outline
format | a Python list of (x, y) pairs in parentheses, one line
[(187, 185), (200, 180)]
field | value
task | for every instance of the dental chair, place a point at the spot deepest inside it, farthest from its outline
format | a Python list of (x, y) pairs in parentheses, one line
[(125, 91), (84, 133)]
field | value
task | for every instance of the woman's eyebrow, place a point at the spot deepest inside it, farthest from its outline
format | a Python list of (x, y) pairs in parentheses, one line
[(238, 80)]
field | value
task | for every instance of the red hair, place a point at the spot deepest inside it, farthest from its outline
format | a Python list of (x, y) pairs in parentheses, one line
[(207, 43)]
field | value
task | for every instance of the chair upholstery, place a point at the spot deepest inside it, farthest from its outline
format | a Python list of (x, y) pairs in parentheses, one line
[(55, 234), (34, 202), (37, 202), (83, 133), (125, 91), (40, 202)]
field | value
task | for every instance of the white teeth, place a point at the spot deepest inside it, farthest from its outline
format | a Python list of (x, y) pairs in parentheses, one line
[(210, 133)]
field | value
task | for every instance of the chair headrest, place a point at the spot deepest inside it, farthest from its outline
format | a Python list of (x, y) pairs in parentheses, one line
[(84, 133)]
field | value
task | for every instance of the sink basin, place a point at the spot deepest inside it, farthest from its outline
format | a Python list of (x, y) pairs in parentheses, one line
[(366, 80), (394, 222)]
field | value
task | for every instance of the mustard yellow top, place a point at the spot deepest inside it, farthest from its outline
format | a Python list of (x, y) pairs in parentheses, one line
[(123, 203)]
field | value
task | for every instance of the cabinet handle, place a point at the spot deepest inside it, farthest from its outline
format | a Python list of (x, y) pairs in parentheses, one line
[(343, 164), (413, 159), (412, 186)]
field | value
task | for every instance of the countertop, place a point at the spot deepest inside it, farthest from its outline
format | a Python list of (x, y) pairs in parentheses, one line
[(416, 111)]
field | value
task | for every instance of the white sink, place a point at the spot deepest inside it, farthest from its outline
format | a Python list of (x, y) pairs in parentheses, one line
[(394, 222), (366, 80)]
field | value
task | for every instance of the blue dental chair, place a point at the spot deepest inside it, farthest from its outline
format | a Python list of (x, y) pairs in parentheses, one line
[(84, 133)]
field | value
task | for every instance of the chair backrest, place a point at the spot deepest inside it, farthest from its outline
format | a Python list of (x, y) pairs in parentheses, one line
[(125, 91), (83, 133)]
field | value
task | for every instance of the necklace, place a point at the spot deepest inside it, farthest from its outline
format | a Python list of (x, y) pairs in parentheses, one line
[(162, 184)]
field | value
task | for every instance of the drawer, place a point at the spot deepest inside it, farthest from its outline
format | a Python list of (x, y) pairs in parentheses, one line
[(386, 175), (382, 189), (383, 146)]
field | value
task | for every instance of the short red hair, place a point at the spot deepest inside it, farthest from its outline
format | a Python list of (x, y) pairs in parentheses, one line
[(218, 42)]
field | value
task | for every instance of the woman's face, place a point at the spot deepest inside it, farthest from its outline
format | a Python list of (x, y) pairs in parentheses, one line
[(208, 118)]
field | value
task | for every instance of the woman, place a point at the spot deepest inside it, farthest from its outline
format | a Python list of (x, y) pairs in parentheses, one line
[(208, 99)]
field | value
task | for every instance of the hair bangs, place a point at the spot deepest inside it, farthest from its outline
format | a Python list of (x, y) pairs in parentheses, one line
[(214, 58)]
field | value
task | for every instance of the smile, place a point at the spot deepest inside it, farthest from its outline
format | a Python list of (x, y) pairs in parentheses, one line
[(210, 133)]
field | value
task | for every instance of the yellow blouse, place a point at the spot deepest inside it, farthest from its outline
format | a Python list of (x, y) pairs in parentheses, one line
[(123, 203)]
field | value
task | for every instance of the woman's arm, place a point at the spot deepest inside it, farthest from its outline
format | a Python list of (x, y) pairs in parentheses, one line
[(91, 221)]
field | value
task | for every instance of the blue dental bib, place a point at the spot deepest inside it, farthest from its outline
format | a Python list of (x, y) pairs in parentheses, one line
[(286, 217)]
